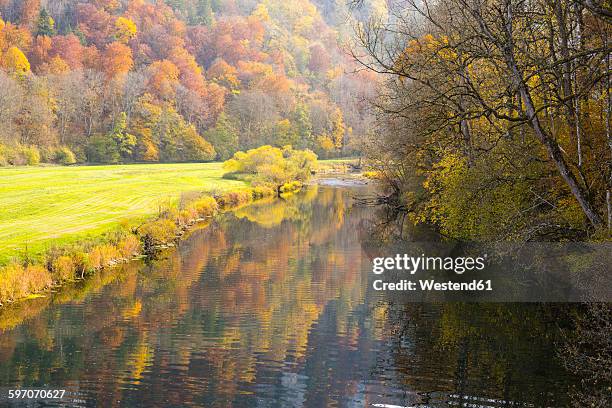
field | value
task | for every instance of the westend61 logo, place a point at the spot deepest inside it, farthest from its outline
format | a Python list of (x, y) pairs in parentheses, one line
[(414, 264)]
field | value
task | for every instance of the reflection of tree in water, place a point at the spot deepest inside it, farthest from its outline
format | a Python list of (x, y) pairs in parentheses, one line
[(510, 351), (458, 351), (270, 213), (587, 351), (272, 305)]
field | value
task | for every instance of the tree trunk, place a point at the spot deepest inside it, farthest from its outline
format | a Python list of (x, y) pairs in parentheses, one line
[(552, 148), (609, 139)]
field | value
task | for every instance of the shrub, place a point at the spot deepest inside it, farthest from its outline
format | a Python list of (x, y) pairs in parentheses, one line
[(186, 216), (205, 207), (4, 155), (263, 191), (81, 262), (63, 268), (31, 155), (11, 282), (17, 281), (234, 198), (157, 232), (19, 155), (37, 278), (271, 166), (101, 256), (128, 246), (291, 187), (373, 175), (63, 155)]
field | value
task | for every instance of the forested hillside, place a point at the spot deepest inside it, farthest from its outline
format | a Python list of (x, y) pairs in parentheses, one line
[(108, 81)]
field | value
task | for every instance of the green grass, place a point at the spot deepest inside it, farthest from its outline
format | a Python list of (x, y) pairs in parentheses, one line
[(44, 206)]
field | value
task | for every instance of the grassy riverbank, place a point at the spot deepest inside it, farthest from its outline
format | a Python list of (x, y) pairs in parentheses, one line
[(58, 224), (44, 206)]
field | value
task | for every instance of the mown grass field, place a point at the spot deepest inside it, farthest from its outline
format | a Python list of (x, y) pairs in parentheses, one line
[(44, 206)]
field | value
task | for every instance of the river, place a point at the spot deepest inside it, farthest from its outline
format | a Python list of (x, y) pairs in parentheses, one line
[(271, 306)]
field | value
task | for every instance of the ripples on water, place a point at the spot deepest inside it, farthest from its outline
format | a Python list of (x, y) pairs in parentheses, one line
[(270, 307)]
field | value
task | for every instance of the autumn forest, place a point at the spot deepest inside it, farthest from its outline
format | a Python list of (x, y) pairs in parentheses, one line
[(109, 81), (194, 196)]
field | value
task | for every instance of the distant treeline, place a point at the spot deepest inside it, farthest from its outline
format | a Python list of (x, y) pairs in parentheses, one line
[(111, 81)]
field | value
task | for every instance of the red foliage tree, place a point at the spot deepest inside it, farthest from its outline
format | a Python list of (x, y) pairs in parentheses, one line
[(117, 59)]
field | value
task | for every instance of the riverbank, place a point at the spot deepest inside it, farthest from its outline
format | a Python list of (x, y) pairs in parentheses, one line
[(73, 222), (43, 207), (21, 279)]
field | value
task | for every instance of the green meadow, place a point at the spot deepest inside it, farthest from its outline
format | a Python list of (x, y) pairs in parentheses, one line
[(44, 206)]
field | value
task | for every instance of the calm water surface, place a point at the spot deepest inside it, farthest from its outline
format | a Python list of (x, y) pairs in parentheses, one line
[(270, 307)]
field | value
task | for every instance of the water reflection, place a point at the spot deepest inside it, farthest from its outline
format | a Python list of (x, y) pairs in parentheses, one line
[(270, 307)]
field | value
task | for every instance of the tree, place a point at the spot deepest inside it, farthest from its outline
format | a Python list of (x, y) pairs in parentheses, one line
[(125, 30), (319, 61), (285, 133), (163, 79), (15, 62), (204, 14), (124, 140), (11, 99), (495, 82), (303, 126), (45, 24), (103, 149), (272, 166), (29, 11), (70, 49), (93, 62), (224, 74), (117, 59), (224, 137), (40, 51)]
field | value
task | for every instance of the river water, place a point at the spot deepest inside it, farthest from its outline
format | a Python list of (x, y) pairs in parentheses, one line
[(272, 306)]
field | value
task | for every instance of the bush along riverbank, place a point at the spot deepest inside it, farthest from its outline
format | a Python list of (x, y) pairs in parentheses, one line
[(272, 172)]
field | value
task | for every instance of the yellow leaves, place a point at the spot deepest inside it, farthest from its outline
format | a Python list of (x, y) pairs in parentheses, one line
[(325, 142), (261, 13), (133, 311), (150, 151), (448, 167), (422, 50), (426, 43), (231, 165), (15, 62), (271, 166), (125, 30), (569, 209), (304, 25), (333, 73), (339, 128), (56, 66)]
